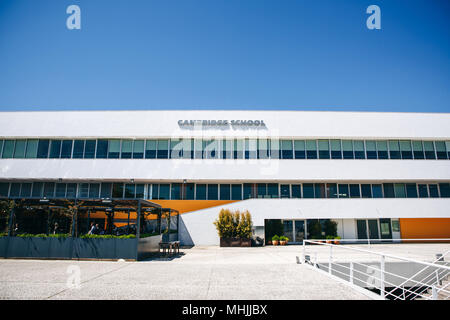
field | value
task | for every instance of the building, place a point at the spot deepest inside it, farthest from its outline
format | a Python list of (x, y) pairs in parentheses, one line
[(378, 175)]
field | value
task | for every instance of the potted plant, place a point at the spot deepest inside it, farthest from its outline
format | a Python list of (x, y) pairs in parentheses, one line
[(275, 240), (329, 239), (336, 240), (283, 240), (234, 228)]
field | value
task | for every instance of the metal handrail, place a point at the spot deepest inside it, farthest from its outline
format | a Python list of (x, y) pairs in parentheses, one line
[(440, 269)]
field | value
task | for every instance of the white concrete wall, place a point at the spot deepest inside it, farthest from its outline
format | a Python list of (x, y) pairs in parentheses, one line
[(200, 229)]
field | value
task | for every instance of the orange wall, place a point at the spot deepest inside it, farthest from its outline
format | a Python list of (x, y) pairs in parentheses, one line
[(421, 228), (184, 206)]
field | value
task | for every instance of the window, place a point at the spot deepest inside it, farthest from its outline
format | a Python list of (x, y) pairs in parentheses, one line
[(343, 191), (94, 189), (382, 149), (78, 149), (272, 190), (138, 149), (227, 148), (155, 191), (71, 191), (127, 149), (371, 149), (140, 191), (347, 149), (332, 190), (188, 148), (213, 192), (25, 191), (299, 149), (238, 149), (405, 149), (38, 189), (176, 191), (8, 149), (411, 190), (163, 149), (105, 191), (286, 149), (441, 151), (114, 149), (366, 191), (117, 190), (32, 147), (319, 190), (447, 146), (150, 149), (308, 190), (335, 149), (102, 149), (200, 192), (164, 191), (418, 150), (19, 151), (399, 190), (14, 192), (324, 149), (261, 190), (225, 192), (89, 149), (311, 149), (55, 149), (83, 190), (358, 147), (445, 190), (176, 149), (250, 148), (42, 151), (4, 189), (423, 190), (429, 150), (395, 226), (66, 149), (394, 149), (274, 148), (1, 147), (247, 190), (377, 192), (388, 190), (433, 189), (354, 191), (130, 190), (296, 191), (49, 189), (285, 191), (236, 192), (60, 190)]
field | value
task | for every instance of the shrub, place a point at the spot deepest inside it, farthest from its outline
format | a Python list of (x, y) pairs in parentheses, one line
[(234, 224), (284, 238), (275, 238)]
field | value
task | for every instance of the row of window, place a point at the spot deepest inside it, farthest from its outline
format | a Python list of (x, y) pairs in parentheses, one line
[(192, 191), (224, 149)]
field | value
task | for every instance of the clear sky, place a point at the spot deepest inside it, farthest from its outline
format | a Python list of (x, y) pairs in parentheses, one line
[(225, 54)]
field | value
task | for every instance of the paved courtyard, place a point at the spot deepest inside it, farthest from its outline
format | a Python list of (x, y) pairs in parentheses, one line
[(200, 273)]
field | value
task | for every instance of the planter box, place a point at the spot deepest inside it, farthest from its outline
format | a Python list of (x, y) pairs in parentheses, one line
[(235, 242)]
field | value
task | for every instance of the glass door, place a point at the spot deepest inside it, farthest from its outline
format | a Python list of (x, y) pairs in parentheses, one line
[(385, 228), (362, 229), (373, 228), (299, 230), (288, 230)]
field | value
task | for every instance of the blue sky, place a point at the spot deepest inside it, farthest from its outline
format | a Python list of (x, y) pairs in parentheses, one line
[(225, 54)]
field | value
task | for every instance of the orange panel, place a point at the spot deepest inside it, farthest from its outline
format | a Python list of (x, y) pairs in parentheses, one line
[(423, 228), (184, 206)]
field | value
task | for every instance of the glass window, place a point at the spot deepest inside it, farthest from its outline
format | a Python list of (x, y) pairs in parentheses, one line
[(227, 148), (32, 147), (299, 149), (213, 192), (236, 192), (102, 149), (445, 190), (105, 191), (399, 190), (49, 189), (60, 190), (285, 191), (25, 191), (319, 190), (188, 148), (71, 191), (395, 225), (89, 149), (248, 191), (358, 147), (394, 149), (238, 149), (366, 191), (332, 190), (423, 190), (200, 192), (55, 149), (272, 190), (225, 192), (117, 190), (127, 149), (311, 149), (42, 151), (388, 190), (371, 149), (19, 151), (308, 190), (150, 149), (382, 149), (176, 191), (1, 147), (130, 190), (343, 191), (164, 191), (274, 148), (38, 188), (354, 191), (198, 149), (261, 190), (14, 192), (94, 190), (377, 192), (411, 190), (347, 149), (66, 149), (163, 149), (138, 149), (286, 149), (296, 191), (263, 149), (324, 149), (189, 191), (114, 149), (418, 150), (405, 149), (441, 151), (250, 148), (8, 149), (154, 192), (140, 191), (4, 189), (433, 188), (83, 190), (447, 146), (176, 149), (429, 150), (335, 149), (78, 149)]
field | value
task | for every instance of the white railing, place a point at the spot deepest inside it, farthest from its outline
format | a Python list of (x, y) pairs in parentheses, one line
[(367, 269)]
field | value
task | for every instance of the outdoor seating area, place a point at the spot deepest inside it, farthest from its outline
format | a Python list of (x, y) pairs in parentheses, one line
[(169, 248)]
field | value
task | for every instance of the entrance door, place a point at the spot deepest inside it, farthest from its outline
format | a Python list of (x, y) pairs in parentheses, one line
[(299, 230), (362, 229), (373, 228), (385, 228), (288, 230)]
